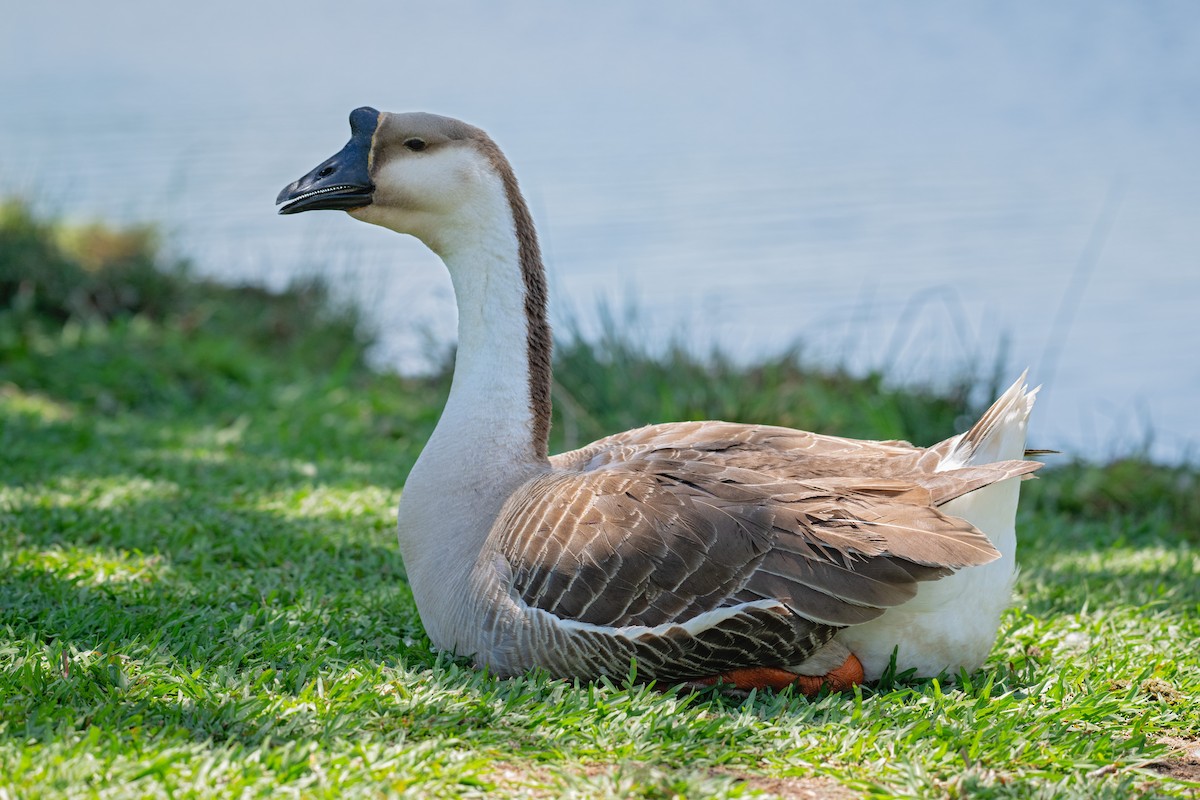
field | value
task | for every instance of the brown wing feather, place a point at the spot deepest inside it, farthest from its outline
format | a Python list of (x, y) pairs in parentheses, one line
[(663, 523), (639, 552)]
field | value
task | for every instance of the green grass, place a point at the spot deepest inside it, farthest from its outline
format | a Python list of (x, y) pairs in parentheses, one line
[(201, 595)]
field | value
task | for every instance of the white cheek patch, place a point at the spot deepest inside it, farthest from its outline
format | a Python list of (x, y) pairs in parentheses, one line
[(438, 181), (394, 186), (438, 194)]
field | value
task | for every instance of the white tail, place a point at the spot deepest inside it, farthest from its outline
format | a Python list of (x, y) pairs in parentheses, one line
[(951, 624), (999, 435)]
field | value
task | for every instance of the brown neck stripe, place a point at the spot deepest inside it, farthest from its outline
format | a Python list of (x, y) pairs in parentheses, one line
[(539, 341)]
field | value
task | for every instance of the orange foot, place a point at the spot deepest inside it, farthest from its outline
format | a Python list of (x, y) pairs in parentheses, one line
[(849, 674)]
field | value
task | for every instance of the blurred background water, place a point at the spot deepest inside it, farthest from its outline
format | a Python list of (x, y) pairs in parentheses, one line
[(910, 186)]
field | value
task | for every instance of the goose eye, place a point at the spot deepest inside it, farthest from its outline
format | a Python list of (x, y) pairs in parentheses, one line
[(415, 144)]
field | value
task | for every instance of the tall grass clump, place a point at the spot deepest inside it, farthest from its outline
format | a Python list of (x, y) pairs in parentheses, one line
[(617, 383), (83, 272), (110, 301)]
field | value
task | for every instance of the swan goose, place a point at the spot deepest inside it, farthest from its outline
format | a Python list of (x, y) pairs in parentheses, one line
[(751, 554)]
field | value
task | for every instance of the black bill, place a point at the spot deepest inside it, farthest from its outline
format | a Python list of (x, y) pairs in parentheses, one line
[(341, 182)]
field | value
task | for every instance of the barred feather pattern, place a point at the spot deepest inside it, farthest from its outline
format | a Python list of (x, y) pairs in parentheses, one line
[(701, 547)]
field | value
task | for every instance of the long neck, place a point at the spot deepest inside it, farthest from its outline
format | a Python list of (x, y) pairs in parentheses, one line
[(492, 435), (500, 396), (502, 375)]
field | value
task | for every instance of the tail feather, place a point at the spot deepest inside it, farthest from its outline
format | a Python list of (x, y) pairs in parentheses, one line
[(951, 624), (999, 435), (945, 485)]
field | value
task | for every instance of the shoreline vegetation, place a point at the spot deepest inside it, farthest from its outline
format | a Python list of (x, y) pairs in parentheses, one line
[(201, 594)]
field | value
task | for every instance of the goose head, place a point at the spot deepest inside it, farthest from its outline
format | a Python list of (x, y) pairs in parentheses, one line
[(415, 173)]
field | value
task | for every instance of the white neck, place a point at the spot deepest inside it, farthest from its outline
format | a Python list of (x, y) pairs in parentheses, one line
[(488, 411), (481, 449)]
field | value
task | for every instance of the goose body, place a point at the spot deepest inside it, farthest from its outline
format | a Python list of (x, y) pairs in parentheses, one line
[(700, 549)]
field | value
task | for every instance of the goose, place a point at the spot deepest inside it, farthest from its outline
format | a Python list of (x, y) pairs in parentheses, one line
[(692, 552)]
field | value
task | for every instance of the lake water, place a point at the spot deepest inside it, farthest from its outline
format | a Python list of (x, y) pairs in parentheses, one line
[(915, 187)]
